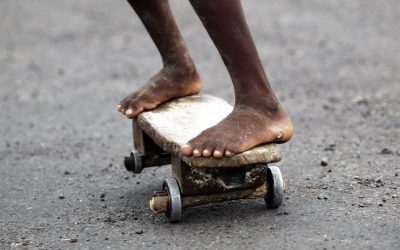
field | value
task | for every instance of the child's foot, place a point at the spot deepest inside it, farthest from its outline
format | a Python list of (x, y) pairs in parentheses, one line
[(169, 83), (244, 128)]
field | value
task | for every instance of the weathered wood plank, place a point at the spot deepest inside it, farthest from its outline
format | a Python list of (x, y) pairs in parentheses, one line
[(159, 202), (143, 143), (174, 123)]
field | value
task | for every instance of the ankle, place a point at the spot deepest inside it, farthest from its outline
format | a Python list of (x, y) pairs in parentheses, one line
[(182, 62), (187, 69), (264, 103)]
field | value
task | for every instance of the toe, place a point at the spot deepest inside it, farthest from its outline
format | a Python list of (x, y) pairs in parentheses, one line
[(219, 150), (230, 150), (194, 147), (134, 108), (187, 150), (124, 104), (196, 153), (198, 150), (208, 150), (132, 112)]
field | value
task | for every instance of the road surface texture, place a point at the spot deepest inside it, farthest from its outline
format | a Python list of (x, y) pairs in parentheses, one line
[(334, 64)]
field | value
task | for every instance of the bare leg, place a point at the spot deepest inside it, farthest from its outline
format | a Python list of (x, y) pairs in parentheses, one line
[(178, 77), (257, 116)]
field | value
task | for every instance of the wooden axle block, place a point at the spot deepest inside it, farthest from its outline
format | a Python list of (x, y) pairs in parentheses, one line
[(210, 180)]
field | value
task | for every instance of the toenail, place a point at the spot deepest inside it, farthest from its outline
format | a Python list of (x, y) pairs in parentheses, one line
[(129, 111), (196, 151), (205, 151), (185, 146), (228, 153)]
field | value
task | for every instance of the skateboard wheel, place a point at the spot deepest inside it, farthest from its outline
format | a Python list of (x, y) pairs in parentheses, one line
[(174, 211), (137, 159), (275, 197)]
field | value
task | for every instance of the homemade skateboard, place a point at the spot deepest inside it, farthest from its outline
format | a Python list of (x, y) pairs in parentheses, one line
[(158, 136)]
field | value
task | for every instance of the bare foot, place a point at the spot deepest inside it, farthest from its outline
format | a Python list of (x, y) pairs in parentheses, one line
[(169, 83), (244, 128)]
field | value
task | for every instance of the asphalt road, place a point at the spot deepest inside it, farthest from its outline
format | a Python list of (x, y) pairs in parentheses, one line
[(64, 65)]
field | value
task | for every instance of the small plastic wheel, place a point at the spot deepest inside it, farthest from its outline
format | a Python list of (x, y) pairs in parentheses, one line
[(137, 159), (174, 211), (275, 197)]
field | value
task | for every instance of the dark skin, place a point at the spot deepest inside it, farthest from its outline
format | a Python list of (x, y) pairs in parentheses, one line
[(257, 116)]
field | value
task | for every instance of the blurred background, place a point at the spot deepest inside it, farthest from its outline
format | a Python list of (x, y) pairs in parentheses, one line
[(65, 65)]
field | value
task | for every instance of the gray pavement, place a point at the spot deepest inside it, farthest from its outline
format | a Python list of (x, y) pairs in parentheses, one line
[(334, 64)]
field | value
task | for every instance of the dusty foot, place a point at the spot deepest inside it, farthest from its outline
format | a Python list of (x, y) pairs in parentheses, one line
[(243, 129), (169, 83)]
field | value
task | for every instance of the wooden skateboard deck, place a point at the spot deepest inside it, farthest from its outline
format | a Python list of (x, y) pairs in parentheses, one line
[(174, 123), (159, 135)]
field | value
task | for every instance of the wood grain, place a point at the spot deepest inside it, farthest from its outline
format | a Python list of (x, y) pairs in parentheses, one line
[(174, 123), (159, 202)]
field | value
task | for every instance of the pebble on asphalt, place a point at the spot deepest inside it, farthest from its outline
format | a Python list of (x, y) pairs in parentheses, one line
[(359, 100), (331, 147), (73, 240), (386, 151), (324, 161), (108, 219), (321, 196), (283, 213)]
